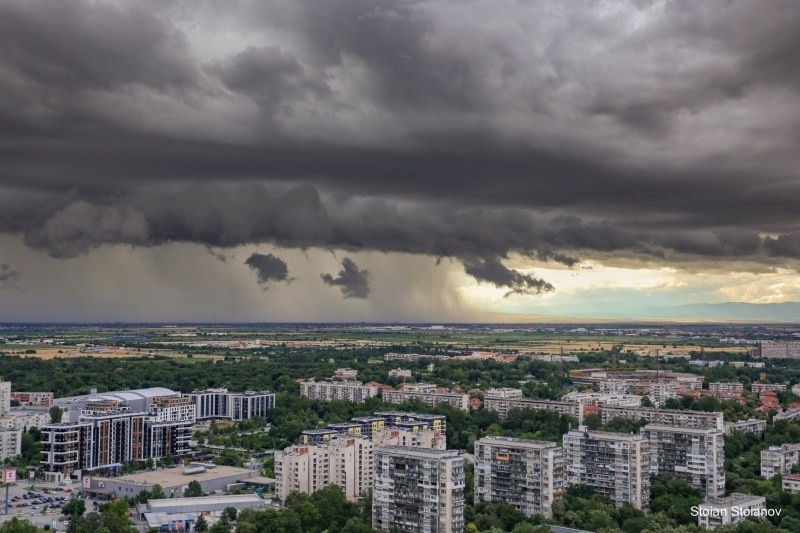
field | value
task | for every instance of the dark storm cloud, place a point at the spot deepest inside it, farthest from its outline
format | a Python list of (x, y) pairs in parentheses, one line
[(449, 129), (268, 268), (493, 271), (354, 283), (8, 276), (271, 76)]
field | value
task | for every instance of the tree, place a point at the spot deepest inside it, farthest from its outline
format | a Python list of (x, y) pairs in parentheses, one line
[(15, 525), (55, 414), (158, 492), (230, 514), (75, 508), (201, 526), (193, 490), (593, 421)]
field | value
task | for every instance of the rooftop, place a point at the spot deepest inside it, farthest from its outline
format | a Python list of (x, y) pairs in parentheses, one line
[(174, 477), (204, 502), (518, 442), (680, 429), (423, 453), (734, 499)]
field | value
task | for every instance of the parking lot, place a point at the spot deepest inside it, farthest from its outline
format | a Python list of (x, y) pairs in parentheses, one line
[(41, 504)]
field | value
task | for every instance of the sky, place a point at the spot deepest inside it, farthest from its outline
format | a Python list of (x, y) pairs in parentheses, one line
[(396, 160)]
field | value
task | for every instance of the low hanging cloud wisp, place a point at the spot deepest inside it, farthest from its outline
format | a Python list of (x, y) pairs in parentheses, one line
[(269, 268), (8, 276), (492, 271), (354, 283)]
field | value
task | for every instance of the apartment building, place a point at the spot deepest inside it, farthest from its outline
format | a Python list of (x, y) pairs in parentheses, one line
[(10, 443), (504, 392), (730, 510), (526, 474), (779, 349), (115, 428), (758, 388), (414, 421), (694, 455), (725, 387), (740, 364), (504, 405), (24, 418), (33, 399), (5, 397), (343, 460), (399, 373), (614, 465), (791, 483), (388, 428), (599, 398), (349, 391), (410, 437), (789, 414), (418, 491), (411, 356), (779, 460), (429, 396), (670, 417), (216, 404), (751, 425), (345, 373)]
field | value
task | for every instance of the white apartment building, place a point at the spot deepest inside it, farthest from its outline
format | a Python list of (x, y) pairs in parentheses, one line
[(789, 414), (455, 399), (751, 425), (694, 455), (214, 404), (25, 418), (343, 461), (349, 391), (418, 491), (504, 392), (526, 474), (345, 373), (725, 387), (5, 397), (751, 364), (614, 465), (779, 460), (730, 510), (791, 483), (670, 417), (599, 398), (504, 405), (399, 373), (761, 387), (10, 443)]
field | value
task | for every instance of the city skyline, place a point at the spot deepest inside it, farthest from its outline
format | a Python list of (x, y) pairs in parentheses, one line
[(398, 161)]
